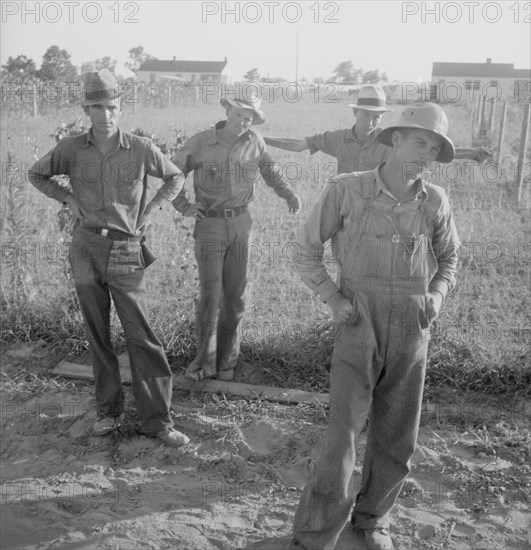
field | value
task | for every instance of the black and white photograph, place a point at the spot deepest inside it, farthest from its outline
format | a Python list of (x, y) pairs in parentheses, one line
[(265, 275)]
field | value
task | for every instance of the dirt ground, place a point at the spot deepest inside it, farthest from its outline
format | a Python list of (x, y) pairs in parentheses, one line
[(238, 482)]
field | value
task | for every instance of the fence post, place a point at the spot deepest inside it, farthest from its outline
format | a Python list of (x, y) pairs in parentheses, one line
[(477, 111), (35, 107), (482, 126), (502, 127), (521, 155), (473, 112), (491, 115), (470, 101)]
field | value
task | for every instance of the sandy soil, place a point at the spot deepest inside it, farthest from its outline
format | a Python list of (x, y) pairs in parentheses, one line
[(237, 484)]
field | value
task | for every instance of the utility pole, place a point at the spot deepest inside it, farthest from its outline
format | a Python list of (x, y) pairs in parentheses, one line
[(296, 56)]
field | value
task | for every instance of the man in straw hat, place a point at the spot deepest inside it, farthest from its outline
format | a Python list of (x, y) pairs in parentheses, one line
[(226, 160), (394, 238), (358, 148), (108, 171)]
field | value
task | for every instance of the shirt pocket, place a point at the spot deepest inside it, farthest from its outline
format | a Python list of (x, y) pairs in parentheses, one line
[(86, 182), (210, 176), (416, 259), (129, 191), (368, 248)]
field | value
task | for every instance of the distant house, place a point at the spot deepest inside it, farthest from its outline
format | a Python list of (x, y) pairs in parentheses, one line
[(185, 71), (496, 80)]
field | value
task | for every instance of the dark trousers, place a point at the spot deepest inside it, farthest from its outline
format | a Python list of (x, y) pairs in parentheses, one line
[(103, 268)]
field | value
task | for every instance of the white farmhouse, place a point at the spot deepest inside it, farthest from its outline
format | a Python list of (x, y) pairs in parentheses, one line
[(184, 71), (494, 80)]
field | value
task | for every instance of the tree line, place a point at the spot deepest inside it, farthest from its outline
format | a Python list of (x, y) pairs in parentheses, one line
[(56, 66), (344, 73)]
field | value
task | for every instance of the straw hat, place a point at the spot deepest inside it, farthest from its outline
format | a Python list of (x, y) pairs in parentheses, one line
[(371, 98)]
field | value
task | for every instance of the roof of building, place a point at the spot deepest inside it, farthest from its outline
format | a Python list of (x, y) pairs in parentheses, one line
[(479, 70), (180, 66), (524, 74)]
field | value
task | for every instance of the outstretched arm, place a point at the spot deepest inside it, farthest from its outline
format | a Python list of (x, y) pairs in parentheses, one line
[(477, 154), (297, 145)]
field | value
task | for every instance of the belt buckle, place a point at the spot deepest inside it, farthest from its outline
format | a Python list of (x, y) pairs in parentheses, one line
[(228, 213)]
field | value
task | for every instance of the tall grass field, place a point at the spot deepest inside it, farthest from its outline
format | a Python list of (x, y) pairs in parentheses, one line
[(480, 341)]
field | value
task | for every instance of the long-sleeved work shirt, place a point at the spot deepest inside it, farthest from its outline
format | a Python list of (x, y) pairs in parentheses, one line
[(337, 214), (111, 189), (224, 177)]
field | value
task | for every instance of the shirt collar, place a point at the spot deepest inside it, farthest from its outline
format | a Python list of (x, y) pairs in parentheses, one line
[(124, 139), (212, 137), (370, 138), (420, 188)]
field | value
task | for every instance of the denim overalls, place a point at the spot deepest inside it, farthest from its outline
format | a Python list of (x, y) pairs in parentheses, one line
[(378, 367)]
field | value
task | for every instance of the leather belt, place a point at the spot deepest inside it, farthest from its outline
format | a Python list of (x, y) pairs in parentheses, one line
[(112, 234), (227, 213)]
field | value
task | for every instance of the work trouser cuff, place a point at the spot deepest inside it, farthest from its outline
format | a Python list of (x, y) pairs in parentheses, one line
[(361, 521)]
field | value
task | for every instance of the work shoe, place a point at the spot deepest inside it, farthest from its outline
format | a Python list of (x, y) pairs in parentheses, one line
[(172, 437), (105, 425), (378, 539)]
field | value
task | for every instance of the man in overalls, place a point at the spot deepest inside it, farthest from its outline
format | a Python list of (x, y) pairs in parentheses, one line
[(394, 238)]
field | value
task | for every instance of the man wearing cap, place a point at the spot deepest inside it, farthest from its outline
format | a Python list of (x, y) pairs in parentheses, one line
[(394, 238), (108, 171), (357, 148), (227, 160)]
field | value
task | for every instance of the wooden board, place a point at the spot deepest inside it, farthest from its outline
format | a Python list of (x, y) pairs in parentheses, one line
[(252, 391), (180, 382)]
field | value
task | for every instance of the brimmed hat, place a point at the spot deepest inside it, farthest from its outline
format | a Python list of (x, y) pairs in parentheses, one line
[(100, 86), (253, 102), (423, 116), (371, 98)]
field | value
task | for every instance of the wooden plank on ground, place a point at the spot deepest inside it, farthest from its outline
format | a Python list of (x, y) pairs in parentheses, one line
[(251, 391), (84, 372), (180, 382)]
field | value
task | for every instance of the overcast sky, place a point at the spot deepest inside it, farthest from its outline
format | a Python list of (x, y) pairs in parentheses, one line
[(401, 38)]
